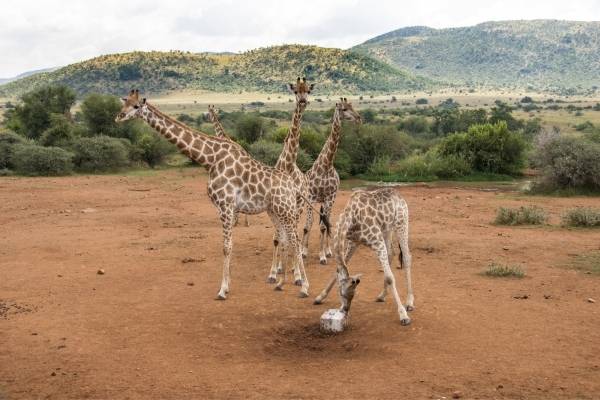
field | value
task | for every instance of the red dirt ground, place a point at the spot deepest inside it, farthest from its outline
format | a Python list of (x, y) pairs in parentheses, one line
[(150, 327)]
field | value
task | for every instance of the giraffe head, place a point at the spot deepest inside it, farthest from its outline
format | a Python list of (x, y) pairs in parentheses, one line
[(301, 90), (347, 286), (211, 114), (132, 106), (347, 111)]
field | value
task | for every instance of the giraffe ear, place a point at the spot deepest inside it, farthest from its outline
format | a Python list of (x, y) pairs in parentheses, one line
[(290, 87), (124, 99)]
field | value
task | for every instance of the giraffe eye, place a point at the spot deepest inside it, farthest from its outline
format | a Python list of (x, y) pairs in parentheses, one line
[(136, 106)]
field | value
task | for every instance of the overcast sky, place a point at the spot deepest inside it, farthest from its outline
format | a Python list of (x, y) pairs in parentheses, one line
[(48, 33)]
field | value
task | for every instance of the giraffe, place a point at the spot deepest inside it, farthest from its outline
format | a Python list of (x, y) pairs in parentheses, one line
[(236, 182), (371, 218), (323, 179), (213, 116), (287, 163)]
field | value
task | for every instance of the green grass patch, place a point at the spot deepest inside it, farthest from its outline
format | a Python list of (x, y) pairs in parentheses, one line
[(528, 215), (496, 270), (585, 217)]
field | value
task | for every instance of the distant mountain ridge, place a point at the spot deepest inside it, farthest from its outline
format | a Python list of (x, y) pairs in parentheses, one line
[(264, 69), (540, 54), (26, 74)]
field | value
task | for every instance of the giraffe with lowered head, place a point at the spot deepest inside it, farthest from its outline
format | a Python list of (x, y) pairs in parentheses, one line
[(213, 116), (323, 179), (236, 182)]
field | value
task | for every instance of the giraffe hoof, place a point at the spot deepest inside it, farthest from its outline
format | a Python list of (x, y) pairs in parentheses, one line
[(410, 308), (298, 282), (318, 301), (328, 255), (279, 271), (405, 321), (279, 288), (271, 280), (303, 294), (380, 299), (221, 296), (323, 261)]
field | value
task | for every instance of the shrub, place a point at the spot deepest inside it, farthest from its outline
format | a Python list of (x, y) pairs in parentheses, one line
[(431, 166), (415, 125), (265, 151), (250, 128), (153, 149), (29, 159), (100, 153), (496, 270), (568, 162), (8, 141), (530, 215), (488, 148), (583, 217), (98, 112), (60, 132), (422, 101), (415, 167)]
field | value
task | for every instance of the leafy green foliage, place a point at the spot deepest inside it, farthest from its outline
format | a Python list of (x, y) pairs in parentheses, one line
[(8, 141), (98, 112), (59, 133), (100, 153), (30, 159), (32, 116), (529, 215), (153, 149), (540, 54), (250, 128), (488, 148)]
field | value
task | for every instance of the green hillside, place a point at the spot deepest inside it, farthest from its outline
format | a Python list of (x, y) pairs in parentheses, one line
[(265, 69), (541, 54)]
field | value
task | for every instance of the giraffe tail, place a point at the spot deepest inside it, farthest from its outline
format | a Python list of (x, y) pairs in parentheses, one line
[(325, 221)]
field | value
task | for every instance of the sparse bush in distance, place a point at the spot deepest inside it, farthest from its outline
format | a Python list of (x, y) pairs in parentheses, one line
[(582, 217), (496, 270), (568, 163), (421, 101), (34, 160), (528, 215), (250, 128)]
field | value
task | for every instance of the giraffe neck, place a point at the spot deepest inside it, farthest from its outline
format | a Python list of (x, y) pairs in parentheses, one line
[(289, 154), (198, 146), (329, 150), (219, 130)]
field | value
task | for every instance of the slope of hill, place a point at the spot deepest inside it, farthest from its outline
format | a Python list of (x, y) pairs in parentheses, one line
[(265, 69), (543, 54), (26, 74)]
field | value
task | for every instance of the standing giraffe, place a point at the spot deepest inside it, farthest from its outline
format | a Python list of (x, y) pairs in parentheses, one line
[(236, 182), (287, 163), (323, 179), (213, 117), (371, 218)]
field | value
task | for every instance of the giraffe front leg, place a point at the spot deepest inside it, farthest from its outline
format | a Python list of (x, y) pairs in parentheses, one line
[(293, 246), (227, 217), (306, 232), (350, 249)]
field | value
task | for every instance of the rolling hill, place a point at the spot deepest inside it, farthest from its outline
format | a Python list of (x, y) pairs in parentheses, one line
[(265, 69), (541, 54)]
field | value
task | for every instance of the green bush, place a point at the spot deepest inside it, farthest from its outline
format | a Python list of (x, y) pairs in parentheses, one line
[(250, 128), (568, 163), (583, 217), (33, 160), (415, 125), (268, 152), (488, 148), (530, 215), (98, 112), (496, 270), (59, 134), (100, 153), (8, 141), (153, 149)]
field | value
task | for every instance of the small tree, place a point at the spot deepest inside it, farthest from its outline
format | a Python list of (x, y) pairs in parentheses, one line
[(250, 128), (98, 112), (60, 132)]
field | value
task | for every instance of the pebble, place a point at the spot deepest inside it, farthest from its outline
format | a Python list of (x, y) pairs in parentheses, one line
[(590, 300), (456, 394), (505, 248), (100, 272), (190, 283)]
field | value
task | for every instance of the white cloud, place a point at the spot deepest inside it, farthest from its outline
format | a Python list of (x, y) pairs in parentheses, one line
[(38, 34)]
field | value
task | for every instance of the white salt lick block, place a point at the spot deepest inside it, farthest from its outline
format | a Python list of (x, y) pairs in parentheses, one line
[(333, 321)]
